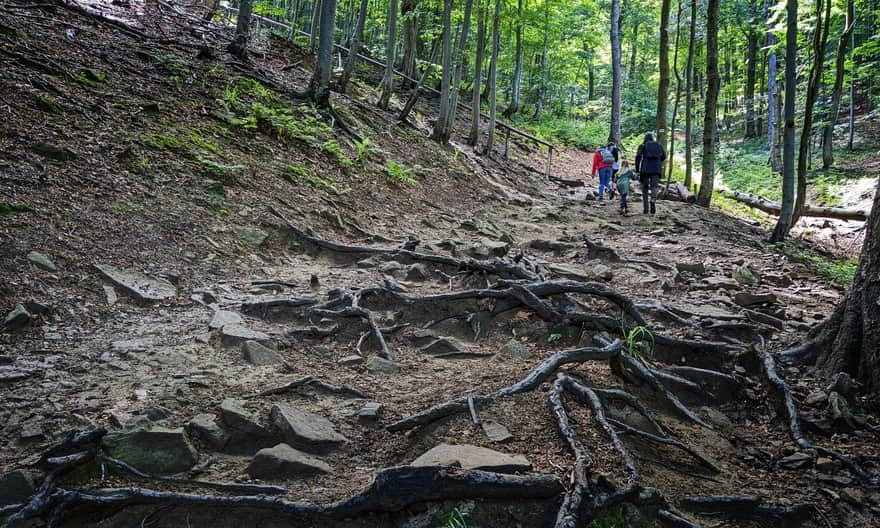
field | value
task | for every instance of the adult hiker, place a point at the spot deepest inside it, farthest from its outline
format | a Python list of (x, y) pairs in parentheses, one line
[(603, 163), (649, 165)]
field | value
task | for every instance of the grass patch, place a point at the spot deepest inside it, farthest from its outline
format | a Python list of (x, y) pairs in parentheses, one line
[(297, 174), (7, 209), (744, 168), (841, 272)]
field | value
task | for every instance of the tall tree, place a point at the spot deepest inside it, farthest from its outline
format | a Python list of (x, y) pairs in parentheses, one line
[(446, 80), (614, 134), (751, 74), (493, 72), (355, 48), (516, 80), (820, 39), (315, 25), (319, 86), (663, 88), (839, 70), (710, 119), (410, 19), (689, 100), (788, 191), (387, 84), (238, 46), (772, 95), (474, 136), (677, 94), (446, 118)]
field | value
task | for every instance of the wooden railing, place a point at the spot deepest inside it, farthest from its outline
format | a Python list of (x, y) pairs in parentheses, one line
[(507, 129)]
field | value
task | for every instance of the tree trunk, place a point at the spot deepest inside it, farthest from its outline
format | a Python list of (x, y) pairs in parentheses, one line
[(416, 93), (474, 135), (788, 191), (493, 72), (449, 94), (663, 87), (689, 100), (671, 153), (516, 81), (840, 68), (820, 38), (631, 71), (772, 95), (320, 83), (591, 83), (387, 85), (238, 46), (852, 99), (751, 73), (542, 93), (614, 134), (850, 340), (410, 37), (442, 125), (713, 85), (351, 61), (460, 62), (313, 28)]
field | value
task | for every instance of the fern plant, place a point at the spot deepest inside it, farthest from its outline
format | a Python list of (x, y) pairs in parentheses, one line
[(400, 174)]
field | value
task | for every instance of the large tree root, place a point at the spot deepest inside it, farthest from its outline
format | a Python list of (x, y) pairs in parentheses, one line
[(748, 507), (785, 400)]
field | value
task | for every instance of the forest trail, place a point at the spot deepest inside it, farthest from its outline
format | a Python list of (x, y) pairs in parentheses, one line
[(247, 304)]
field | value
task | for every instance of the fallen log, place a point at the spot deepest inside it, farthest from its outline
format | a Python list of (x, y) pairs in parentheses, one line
[(773, 208)]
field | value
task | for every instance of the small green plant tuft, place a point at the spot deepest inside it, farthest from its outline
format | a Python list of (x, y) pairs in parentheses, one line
[(554, 337), (332, 147), (401, 174), (162, 141), (455, 519), (7, 209), (610, 519), (639, 342)]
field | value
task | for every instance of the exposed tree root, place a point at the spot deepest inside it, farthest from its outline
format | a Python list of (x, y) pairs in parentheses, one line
[(783, 396), (748, 507), (220, 486), (667, 518), (667, 441), (309, 381)]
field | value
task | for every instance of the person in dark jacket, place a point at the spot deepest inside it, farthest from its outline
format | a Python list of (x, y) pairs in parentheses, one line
[(649, 165)]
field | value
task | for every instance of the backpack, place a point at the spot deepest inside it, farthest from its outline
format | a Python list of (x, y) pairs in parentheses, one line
[(607, 155)]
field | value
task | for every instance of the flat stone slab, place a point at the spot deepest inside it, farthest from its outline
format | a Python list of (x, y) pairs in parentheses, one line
[(305, 430), (709, 311), (589, 272), (206, 428), (259, 355), (234, 335), (283, 462), (222, 318), (128, 346), (236, 417), (496, 432), (750, 299), (370, 412), (444, 345), (16, 487), (155, 451), (469, 456), (514, 348), (42, 261), (142, 288), (378, 364)]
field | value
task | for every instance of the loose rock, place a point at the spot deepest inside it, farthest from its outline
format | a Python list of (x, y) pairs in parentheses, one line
[(251, 236), (697, 268), (472, 457), (514, 348), (42, 261), (222, 318), (370, 412), (796, 461), (750, 299), (234, 335), (496, 432), (206, 428), (142, 288), (259, 355), (155, 451), (444, 345), (382, 365), (236, 417), (305, 430), (282, 462), (17, 319), (746, 277)]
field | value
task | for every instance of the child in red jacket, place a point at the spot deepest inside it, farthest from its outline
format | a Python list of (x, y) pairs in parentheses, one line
[(603, 163)]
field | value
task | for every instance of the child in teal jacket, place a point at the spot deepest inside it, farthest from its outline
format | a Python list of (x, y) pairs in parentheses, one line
[(624, 176)]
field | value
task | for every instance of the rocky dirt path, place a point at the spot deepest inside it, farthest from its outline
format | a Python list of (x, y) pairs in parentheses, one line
[(183, 383)]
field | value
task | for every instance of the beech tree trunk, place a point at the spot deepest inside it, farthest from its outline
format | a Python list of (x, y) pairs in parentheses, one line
[(820, 38), (474, 136), (839, 70), (238, 46), (671, 152), (351, 61), (751, 74), (542, 93), (713, 85), (320, 83), (850, 340), (663, 87), (410, 37), (493, 72), (460, 62), (516, 80), (689, 101), (614, 134), (788, 191), (449, 94), (314, 27), (446, 80), (772, 95), (387, 85)]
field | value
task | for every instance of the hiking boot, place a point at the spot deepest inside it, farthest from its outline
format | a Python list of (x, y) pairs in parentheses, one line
[(610, 195), (646, 210), (653, 209)]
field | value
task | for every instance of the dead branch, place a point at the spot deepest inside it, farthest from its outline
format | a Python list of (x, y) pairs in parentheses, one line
[(773, 208)]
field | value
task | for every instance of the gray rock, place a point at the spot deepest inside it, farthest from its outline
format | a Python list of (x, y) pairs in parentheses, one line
[(717, 418), (128, 346), (370, 412), (418, 273), (842, 384), (16, 487), (550, 245), (824, 464), (222, 318), (259, 355), (155, 450), (854, 496), (42, 261), (750, 299), (392, 267), (422, 336), (206, 428), (697, 268), (796, 461), (234, 335), (236, 417), (369, 262), (140, 287), (110, 294), (382, 365), (817, 398), (252, 236), (514, 348), (496, 432), (472, 457), (444, 345), (715, 283), (305, 430), (746, 277), (351, 361), (284, 462), (839, 409), (9, 374), (591, 271), (486, 248), (32, 429), (17, 319)]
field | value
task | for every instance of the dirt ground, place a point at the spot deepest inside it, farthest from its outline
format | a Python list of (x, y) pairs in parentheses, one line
[(123, 201)]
